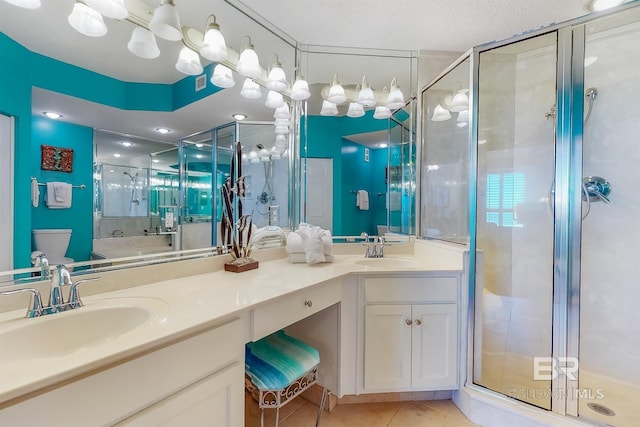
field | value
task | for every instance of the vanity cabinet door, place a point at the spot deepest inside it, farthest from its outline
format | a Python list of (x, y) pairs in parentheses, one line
[(217, 400), (387, 347), (434, 346)]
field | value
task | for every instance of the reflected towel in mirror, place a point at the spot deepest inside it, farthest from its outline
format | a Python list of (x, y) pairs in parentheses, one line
[(362, 200), (58, 195)]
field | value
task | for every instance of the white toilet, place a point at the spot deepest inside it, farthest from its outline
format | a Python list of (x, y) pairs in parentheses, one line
[(53, 242)]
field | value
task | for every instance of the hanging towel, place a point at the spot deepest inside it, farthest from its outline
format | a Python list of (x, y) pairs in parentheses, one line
[(35, 192), (58, 195), (362, 200)]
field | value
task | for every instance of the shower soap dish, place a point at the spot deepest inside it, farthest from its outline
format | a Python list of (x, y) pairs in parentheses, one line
[(239, 265)]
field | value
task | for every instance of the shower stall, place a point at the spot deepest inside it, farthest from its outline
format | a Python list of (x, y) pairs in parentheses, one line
[(553, 215)]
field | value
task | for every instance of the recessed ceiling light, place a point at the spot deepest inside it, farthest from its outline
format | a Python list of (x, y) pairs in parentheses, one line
[(199, 156), (52, 115), (116, 155), (163, 130), (156, 161), (126, 144), (199, 145), (239, 116), (382, 145)]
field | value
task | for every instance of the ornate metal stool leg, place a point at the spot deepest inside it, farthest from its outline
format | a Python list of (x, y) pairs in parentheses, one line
[(323, 400)]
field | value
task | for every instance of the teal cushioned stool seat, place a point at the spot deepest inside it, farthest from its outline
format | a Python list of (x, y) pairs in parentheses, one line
[(278, 368)]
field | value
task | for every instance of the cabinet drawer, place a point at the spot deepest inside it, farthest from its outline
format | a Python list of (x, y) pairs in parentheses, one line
[(411, 289), (273, 316)]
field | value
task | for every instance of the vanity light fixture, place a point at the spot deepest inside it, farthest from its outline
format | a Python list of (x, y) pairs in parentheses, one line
[(114, 9), (336, 92), (282, 112), (87, 21), (248, 64), (27, 4), (300, 90), (274, 100), (165, 22), (222, 77), (382, 112), (52, 115), (163, 130), (460, 102), (355, 110), (189, 62), (328, 109), (143, 44), (214, 47), (250, 89), (365, 96), (239, 116), (395, 99), (440, 114), (463, 116), (277, 79)]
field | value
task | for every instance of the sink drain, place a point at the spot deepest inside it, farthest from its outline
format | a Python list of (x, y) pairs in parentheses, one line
[(601, 409)]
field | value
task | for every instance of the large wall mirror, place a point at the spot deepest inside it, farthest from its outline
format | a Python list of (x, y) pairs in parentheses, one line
[(164, 197), (348, 153)]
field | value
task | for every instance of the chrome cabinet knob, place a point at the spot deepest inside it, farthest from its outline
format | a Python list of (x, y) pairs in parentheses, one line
[(308, 303), (408, 322)]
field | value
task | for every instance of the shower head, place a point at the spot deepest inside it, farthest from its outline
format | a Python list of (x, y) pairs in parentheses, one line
[(133, 178)]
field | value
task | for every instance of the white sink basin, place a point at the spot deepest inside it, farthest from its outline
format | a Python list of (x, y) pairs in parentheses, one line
[(388, 262), (62, 334)]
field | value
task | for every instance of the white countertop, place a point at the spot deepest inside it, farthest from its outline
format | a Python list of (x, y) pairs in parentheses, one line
[(194, 303)]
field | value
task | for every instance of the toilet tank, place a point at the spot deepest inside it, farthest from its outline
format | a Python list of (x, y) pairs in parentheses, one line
[(52, 241)]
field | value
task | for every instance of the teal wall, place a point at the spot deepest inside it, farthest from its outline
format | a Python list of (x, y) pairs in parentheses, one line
[(79, 217), (324, 140), (29, 69)]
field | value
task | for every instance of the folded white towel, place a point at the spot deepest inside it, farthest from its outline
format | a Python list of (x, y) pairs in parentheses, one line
[(314, 242), (362, 200), (294, 243), (58, 195), (35, 192)]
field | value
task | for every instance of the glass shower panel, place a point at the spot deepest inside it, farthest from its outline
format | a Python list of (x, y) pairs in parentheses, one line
[(609, 351), (444, 197), (515, 227), (265, 166), (401, 173)]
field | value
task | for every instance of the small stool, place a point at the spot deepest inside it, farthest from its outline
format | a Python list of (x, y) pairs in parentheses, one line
[(277, 369)]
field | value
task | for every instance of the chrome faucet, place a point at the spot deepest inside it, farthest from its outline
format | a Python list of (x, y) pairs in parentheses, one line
[(61, 277), (42, 262), (375, 248), (35, 308)]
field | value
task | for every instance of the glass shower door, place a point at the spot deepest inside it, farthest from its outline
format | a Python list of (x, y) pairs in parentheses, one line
[(515, 218), (609, 332)]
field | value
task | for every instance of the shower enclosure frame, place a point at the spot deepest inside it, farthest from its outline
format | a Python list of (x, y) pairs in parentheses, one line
[(571, 37)]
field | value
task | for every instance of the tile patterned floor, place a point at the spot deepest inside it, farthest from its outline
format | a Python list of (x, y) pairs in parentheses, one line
[(301, 413)]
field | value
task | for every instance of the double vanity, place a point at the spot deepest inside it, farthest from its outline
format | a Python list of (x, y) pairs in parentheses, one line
[(172, 351)]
